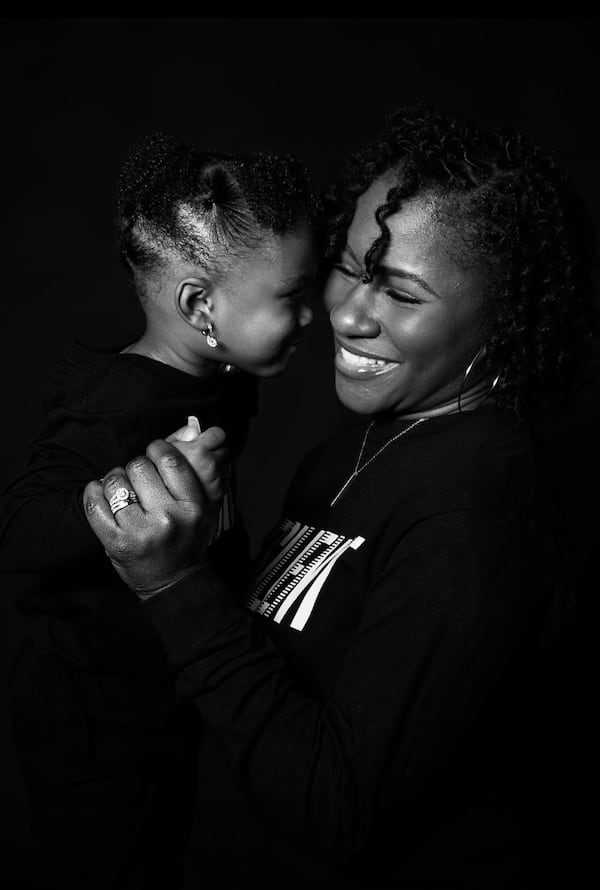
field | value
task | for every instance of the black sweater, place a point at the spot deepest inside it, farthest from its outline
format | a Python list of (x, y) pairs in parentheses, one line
[(103, 409), (370, 712)]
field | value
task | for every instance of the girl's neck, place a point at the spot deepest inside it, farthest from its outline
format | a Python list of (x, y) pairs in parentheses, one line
[(176, 355)]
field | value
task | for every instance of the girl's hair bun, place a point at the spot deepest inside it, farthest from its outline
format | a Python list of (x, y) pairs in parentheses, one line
[(147, 162)]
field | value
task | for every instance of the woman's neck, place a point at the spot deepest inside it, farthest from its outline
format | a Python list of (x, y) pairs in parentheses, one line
[(470, 400)]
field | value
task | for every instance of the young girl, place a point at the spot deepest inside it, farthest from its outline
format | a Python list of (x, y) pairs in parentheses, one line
[(221, 251)]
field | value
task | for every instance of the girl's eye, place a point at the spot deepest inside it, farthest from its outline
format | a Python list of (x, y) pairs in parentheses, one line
[(297, 296), (402, 298)]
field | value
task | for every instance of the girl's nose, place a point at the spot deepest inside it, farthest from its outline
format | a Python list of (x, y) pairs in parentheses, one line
[(305, 316)]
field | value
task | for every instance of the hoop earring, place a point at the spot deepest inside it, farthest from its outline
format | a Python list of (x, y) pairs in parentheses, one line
[(464, 380), (209, 333)]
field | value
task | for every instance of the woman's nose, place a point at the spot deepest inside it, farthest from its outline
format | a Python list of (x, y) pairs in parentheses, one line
[(353, 316)]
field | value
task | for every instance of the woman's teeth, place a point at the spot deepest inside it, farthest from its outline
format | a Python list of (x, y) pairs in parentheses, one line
[(361, 365), (362, 361)]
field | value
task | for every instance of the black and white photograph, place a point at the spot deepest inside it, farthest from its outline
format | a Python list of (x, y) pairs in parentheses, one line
[(299, 469)]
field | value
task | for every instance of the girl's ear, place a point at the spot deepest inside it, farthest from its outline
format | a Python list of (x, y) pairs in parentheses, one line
[(193, 301)]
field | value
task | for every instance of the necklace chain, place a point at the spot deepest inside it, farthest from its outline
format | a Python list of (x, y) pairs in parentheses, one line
[(358, 469)]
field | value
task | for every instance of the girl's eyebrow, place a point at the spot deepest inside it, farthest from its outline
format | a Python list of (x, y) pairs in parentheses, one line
[(296, 280)]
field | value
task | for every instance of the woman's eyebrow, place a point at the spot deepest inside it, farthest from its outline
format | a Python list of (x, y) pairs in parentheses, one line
[(393, 272), (397, 273)]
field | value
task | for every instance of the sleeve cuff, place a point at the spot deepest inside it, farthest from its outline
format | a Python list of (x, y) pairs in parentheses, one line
[(194, 615)]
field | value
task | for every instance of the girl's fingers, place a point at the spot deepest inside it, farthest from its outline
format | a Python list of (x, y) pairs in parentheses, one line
[(210, 462), (174, 469), (186, 433), (212, 439)]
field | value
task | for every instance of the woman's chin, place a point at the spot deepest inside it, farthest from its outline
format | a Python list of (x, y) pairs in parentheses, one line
[(357, 398)]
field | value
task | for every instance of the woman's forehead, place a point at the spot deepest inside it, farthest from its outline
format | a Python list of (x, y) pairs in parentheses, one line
[(421, 243), (413, 223)]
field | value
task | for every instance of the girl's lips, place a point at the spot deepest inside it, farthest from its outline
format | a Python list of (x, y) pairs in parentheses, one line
[(361, 366), (290, 345)]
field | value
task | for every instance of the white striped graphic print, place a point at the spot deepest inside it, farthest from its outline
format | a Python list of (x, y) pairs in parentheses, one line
[(298, 561)]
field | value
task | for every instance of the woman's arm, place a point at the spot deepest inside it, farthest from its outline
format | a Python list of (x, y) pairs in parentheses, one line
[(425, 664), (442, 625)]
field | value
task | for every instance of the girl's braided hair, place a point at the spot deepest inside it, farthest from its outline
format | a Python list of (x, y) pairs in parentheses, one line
[(175, 200), (507, 206)]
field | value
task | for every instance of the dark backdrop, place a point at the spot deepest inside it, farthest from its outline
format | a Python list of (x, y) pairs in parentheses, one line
[(76, 92)]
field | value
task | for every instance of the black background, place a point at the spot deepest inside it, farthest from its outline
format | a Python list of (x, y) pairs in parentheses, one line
[(76, 92)]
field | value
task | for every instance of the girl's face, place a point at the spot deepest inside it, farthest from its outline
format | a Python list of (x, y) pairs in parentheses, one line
[(263, 303), (404, 340)]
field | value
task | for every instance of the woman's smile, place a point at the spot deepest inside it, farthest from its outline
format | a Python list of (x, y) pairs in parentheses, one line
[(404, 336), (359, 364)]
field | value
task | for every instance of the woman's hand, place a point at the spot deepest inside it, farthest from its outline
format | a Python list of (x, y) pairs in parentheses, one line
[(163, 536)]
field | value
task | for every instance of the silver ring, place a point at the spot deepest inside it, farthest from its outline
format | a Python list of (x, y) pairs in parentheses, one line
[(122, 497)]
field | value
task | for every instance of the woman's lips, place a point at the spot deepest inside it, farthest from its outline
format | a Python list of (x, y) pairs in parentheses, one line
[(351, 364)]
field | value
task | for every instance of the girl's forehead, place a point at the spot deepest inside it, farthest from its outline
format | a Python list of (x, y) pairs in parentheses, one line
[(284, 256)]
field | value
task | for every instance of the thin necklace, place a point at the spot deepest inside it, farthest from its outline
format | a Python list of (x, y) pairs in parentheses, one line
[(358, 470)]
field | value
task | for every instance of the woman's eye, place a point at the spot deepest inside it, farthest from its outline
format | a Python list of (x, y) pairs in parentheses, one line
[(402, 298), (346, 270)]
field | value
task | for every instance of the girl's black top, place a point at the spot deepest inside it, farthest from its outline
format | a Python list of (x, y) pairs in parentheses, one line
[(103, 408)]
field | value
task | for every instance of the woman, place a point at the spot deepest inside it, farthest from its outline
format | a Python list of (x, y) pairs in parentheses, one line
[(368, 699)]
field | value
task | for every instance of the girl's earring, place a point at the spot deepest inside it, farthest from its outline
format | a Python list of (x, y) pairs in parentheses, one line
[(209, 333)]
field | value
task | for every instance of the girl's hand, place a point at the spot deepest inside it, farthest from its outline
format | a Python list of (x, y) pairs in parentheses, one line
[(207, 454)]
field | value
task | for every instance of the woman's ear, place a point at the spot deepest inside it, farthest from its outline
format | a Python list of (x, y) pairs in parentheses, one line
[(193, 301)]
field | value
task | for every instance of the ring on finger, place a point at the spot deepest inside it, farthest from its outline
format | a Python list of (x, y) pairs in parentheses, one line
[(122, 497)]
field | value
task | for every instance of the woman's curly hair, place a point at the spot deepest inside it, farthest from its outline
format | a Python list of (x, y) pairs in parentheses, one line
[(507, 206)]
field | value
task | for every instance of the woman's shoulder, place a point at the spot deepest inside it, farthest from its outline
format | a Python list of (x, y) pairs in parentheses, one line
[(485, 438), (481, 461)]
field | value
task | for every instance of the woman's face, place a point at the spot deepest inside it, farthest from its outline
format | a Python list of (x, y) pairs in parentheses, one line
[(262, 305), (404, 340)]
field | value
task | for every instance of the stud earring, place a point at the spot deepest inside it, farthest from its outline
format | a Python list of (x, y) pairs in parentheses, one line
[(209, 333)]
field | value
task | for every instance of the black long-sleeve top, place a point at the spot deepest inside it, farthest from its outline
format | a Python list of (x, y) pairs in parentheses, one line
[(102, 409), (370, 708)]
